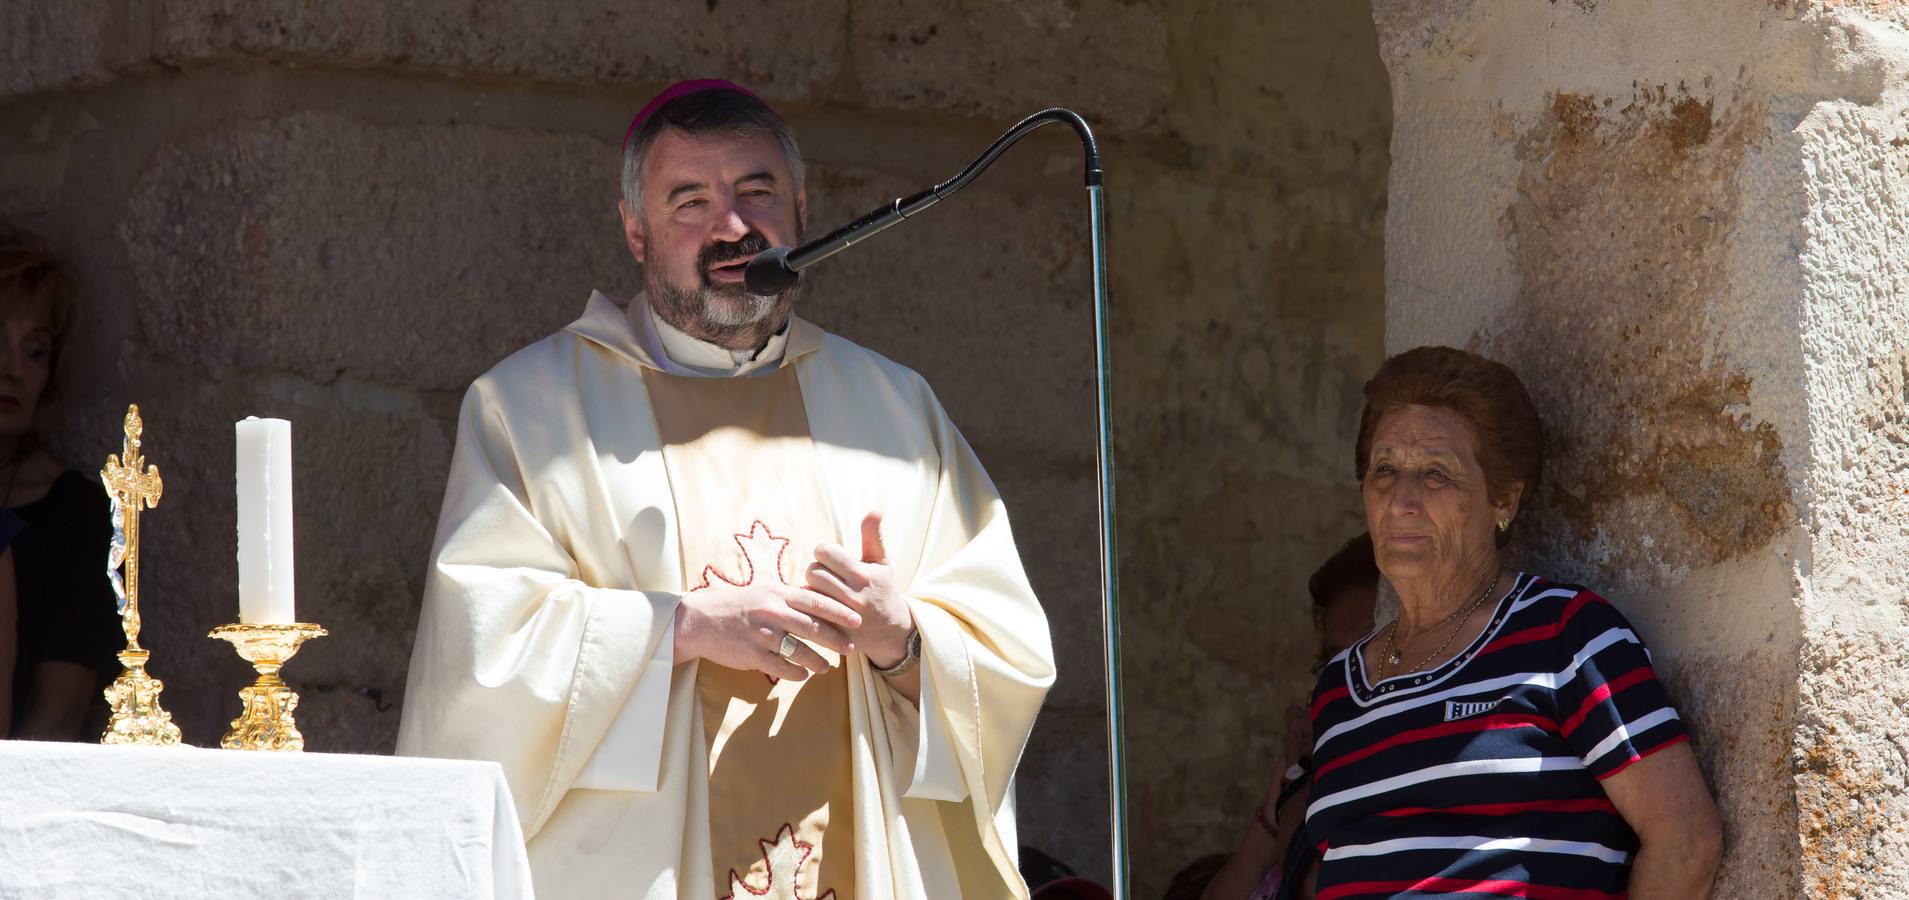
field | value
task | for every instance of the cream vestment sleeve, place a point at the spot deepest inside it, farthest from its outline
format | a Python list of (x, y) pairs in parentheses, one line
[(555, 659), (987, 658)]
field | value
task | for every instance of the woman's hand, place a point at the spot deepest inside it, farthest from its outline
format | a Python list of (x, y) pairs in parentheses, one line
[(1680, 835), (1261, 848), (1297, 745)]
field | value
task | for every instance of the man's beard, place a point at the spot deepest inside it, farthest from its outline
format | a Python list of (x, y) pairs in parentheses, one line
[(718, 313)]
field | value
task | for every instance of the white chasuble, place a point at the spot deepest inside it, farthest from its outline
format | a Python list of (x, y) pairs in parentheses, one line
[(588, 492)]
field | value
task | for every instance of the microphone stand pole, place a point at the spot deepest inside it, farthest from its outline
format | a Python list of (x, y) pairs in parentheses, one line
[(773, 271)]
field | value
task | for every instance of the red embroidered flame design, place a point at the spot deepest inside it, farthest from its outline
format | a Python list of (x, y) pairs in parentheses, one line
[(784, 858), (757, 545)]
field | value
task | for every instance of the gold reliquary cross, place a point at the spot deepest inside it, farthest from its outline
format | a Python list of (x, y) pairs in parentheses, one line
[(133, 486)]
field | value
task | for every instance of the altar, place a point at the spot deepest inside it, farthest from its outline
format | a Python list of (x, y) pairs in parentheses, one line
[(90, 821)]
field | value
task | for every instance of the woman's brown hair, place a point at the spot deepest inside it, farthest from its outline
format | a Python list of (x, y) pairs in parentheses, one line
[(29, 274), (1487, 395)]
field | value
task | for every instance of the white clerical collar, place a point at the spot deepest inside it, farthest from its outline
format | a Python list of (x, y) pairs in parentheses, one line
[(685, 355)]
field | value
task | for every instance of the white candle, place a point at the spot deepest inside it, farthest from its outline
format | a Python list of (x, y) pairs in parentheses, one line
[(265, 521)]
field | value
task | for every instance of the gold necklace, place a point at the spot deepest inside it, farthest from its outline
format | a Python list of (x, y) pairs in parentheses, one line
[(1392, 655)]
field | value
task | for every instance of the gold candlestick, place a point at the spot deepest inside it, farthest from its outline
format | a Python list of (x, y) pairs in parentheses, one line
[(132, 486), (266, 723)]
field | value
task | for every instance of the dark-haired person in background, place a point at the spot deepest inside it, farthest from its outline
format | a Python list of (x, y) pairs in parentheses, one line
[(68, 627), (1275, 858)]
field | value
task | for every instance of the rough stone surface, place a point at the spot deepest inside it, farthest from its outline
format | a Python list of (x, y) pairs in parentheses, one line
[(1682, 228), (325, 246), (1852, 744), (789, 50), (46, 44), (340, 213), (921, 54), (30, 178)]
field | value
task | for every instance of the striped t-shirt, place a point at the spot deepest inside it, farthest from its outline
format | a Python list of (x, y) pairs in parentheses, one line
[(1480, 777)]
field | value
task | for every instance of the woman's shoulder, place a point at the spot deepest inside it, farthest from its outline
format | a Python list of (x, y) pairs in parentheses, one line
[(1332, 681), (74, 494), (79, 484), (1537, 591), (1573, 612)]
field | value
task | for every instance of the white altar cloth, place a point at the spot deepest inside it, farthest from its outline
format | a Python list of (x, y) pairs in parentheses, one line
[(87, 821)]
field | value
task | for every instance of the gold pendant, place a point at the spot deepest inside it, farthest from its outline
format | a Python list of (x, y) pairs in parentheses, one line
[(1392, 660)]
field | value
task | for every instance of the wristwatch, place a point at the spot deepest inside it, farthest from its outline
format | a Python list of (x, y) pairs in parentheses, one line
[(909, 661)]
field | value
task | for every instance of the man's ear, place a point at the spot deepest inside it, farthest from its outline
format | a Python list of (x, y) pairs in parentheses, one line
[(801, 213), (633, 233)]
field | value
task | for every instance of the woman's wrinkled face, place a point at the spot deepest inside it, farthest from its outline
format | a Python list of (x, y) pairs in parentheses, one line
[(26, 360), (1426, 502)]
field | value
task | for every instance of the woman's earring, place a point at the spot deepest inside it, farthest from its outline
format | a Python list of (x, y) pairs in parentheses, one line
[(1504, 525)]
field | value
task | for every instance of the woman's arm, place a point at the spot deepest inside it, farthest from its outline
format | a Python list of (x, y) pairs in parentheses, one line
[(1244, 870), (1259, 850), (1664, 799), (9, 638), (56, 701)]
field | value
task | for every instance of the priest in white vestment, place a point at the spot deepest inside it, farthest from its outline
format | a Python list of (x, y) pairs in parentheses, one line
[(728, 597)]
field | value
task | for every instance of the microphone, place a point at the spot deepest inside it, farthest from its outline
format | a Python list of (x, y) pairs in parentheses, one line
[(776, 270), (768, 273)]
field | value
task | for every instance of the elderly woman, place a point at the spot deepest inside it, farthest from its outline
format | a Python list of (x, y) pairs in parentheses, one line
[(1502, 735)]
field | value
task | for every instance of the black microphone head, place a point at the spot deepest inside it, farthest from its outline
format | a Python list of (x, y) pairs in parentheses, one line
[(768, 274)]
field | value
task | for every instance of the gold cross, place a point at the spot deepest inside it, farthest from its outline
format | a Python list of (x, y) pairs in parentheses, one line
[(131, 490)]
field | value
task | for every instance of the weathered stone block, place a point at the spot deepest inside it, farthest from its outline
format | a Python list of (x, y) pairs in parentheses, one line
[(1001, 60), (789, 51), (33, 166), (49, 44), (324, 246), (983, 278)]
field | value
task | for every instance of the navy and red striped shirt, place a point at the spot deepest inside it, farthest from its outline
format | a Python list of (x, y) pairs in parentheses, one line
[(1480, 777)]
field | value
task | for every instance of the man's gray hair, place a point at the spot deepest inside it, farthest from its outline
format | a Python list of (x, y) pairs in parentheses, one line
[(712, 112)]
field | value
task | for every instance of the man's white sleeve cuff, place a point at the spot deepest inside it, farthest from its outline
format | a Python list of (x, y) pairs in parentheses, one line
[(937, 769), (630, 757)]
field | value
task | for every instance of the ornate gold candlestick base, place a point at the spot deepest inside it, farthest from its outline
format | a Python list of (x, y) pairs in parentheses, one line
[(137, 716), (266, 723)]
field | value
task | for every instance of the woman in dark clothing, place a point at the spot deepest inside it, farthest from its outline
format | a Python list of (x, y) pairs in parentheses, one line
[(67, 629), (10, 526)]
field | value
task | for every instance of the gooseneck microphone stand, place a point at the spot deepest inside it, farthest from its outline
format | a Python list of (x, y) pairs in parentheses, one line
[(775, 270)]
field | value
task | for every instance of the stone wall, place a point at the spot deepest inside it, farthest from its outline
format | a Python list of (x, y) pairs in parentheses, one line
[(1682, 224), (341, 213)]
